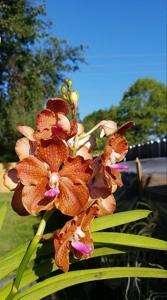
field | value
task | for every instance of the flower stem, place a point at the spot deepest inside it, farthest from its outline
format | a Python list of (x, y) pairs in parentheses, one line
[(30, 250), (84, 135)]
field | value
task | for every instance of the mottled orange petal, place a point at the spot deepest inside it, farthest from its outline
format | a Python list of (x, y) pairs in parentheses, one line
[(72, 198), (77, 168), (62, 240), (123, 128), (53, 152), (119, 145), (33, 198), (62, 127), (45, 119), (112, 177), (17, 203), (31, 170), (62, 254), (85, 218), (24, 147), (106, 205), (58, 105), (10, 179), (45, 134), (26, 131)]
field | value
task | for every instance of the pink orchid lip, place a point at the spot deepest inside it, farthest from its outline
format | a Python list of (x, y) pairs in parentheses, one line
[(120, 166), (81, 247), (52, 193)]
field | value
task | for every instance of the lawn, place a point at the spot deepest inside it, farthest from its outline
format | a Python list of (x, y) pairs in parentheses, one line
[(15, 230)]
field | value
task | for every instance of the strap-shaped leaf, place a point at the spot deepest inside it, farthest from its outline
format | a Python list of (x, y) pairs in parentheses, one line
[(11, 261), (47, 267), (131, 240), (62, 281), (119, 219), (3, 209)]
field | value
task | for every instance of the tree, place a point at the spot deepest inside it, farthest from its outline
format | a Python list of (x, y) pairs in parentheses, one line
[(32, 65), (145, 103)]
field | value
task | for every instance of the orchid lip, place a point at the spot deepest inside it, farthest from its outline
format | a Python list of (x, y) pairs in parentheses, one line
[(52, 193), (119, 166), (81, 247)]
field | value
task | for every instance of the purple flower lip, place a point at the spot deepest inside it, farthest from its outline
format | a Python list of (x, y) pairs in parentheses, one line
[(120, 167), (52, 193), (81, 247)]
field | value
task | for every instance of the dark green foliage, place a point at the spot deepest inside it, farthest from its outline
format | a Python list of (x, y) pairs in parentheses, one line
[(32, 65), (145, 103)]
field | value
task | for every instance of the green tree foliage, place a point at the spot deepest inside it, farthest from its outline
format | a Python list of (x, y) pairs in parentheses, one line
[(145, 103), (32, 64)]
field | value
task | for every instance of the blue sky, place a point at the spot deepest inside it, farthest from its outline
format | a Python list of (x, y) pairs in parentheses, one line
[(126, 40)]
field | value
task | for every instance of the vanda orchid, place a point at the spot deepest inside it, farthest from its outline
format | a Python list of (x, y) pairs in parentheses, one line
[(57, 171)]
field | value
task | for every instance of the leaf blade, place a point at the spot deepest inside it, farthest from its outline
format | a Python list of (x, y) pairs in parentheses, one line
[(3, 210), (132, 240), (62, 281), (118, 219)]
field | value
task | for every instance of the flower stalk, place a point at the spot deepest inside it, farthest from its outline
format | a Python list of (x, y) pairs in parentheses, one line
[(30, 250)]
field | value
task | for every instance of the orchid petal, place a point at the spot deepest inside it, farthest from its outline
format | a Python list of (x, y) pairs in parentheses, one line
[(34, 200), (45, 119), (31, 170), (107, 128), (53, 152), (81, 247), (58, 105), (62, 127), (11, 179), (24, 148), (27, 131), (77, 168), (52, 193), (72, 198), (119, 166)]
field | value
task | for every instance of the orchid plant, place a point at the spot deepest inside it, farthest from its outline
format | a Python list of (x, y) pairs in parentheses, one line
[(57, 171)]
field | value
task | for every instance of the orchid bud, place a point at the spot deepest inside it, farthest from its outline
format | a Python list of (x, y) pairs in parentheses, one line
[(74, 98), (63, 90), (69, 83)]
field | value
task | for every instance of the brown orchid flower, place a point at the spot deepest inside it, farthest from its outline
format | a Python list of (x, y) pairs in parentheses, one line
[(106, 176), (74, 237), (52, 179), (52, 122)]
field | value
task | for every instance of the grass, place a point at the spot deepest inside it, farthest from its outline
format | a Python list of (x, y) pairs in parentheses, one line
[(15, 229)]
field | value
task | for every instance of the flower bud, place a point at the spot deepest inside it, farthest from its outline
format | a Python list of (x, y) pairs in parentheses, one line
[(74, 98), (69, 83), (63, 90)]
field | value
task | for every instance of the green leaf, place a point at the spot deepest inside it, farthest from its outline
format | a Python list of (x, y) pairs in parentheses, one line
[(47, 267), (3, 209), (118, 219), (11, 261), (62, 281), (131, 240)]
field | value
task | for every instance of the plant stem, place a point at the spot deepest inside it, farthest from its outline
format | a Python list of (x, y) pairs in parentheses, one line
[(30, 250)]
